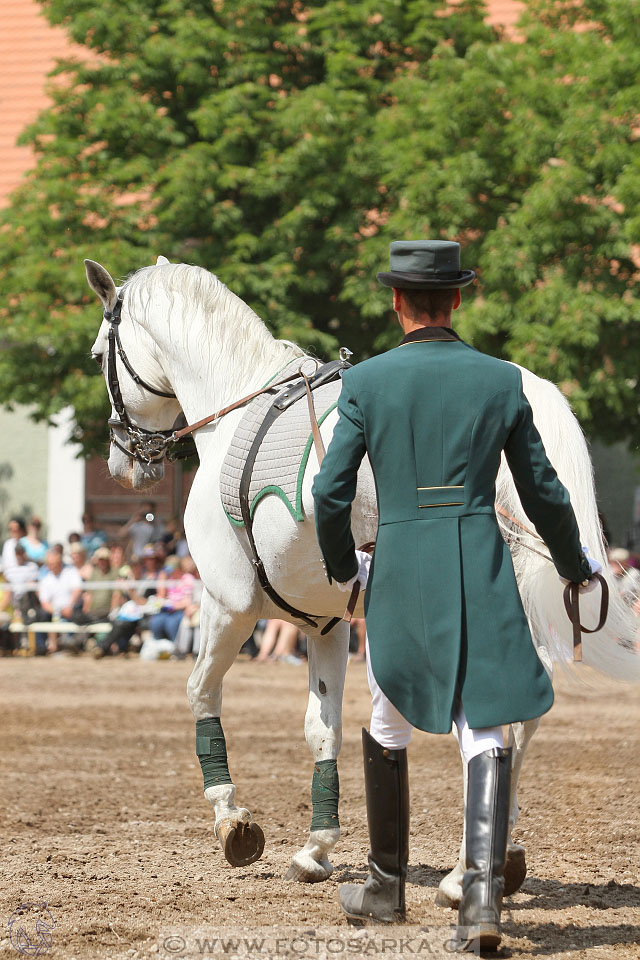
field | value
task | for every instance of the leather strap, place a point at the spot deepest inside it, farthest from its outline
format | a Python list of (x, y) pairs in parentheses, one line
[(315, 429), (245, 508), (178, 434), (324, 374), (572, 606), (353, 599)]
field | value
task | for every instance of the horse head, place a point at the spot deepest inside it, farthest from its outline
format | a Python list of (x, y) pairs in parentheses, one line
[(143, 406)]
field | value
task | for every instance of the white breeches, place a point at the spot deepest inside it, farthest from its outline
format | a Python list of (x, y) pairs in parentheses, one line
[(390, 729)]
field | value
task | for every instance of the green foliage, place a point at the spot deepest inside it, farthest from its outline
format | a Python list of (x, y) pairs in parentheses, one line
[(284, 145)]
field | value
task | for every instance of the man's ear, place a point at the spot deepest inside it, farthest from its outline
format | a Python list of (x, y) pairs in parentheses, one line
[(397, 300), (458, 299)]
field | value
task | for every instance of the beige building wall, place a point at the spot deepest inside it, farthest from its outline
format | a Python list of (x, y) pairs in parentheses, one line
[(40, 474), (23, 467)]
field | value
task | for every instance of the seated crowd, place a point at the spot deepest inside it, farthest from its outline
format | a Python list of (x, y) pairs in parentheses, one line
[(111, 598), (144, 588)]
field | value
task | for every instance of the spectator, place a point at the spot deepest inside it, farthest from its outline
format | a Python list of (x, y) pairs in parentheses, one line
[(73, 538), (279, 642), (98, 604), (358, 639), (116, 555), (174, 539), (164, 562), (176, 593), (80, 561), (143, 528), (130, 613), (150, 566), (188, 639), (627, 577), (7, 642), (91, 538), (23, 595), (17, 530), (59, 591), (35, 547)]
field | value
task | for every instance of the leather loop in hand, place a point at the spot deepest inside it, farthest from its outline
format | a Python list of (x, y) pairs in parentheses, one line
[(572, 606)]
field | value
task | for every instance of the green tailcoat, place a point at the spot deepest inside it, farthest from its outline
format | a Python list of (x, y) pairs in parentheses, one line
[(444, 616)]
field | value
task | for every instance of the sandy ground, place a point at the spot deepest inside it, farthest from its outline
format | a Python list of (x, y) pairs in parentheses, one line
[(103, 819)]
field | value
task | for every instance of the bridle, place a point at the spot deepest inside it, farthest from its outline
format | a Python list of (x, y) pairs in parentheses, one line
[(145, 446)]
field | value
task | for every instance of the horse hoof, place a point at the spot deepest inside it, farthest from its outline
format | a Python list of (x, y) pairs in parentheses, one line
[(447, 900), (242, 843), (309, 871), (515, 869)]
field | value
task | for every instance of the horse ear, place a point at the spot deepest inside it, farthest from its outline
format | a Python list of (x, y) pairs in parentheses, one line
[(160, 262), (101, 283)]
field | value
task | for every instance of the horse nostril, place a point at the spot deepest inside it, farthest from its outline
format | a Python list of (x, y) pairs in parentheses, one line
[(98, 359)]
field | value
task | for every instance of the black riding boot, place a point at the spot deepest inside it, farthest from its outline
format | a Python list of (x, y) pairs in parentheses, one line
[(386, 782), (487, 828)]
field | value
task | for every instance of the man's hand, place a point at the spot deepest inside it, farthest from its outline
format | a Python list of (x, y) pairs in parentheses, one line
[(364, 561), (592, 582)]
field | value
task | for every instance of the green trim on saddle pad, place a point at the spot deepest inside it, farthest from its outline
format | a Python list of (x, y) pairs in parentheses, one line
[(211, 749), (295, 511), (325, 793)]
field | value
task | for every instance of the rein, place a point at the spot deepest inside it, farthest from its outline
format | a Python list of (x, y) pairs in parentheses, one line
[(571, 593)]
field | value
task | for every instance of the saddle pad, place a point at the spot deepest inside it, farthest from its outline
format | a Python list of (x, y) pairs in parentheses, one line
[(282, 458)]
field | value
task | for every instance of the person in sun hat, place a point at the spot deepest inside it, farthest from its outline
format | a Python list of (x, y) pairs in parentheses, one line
[(448, 641)]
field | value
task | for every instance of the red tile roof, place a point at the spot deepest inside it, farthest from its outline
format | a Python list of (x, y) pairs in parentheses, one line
[(28, 49)]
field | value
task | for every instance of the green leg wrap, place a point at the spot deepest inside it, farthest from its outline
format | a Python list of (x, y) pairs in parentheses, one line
[(212, 752), (325, 791)]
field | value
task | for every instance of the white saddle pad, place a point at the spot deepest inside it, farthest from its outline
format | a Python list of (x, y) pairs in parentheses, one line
[(280, 464)]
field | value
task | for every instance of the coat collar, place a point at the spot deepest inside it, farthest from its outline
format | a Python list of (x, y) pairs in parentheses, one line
[(429, 333)]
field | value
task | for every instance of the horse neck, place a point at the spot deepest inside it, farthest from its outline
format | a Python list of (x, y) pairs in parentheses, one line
[(211, 364)]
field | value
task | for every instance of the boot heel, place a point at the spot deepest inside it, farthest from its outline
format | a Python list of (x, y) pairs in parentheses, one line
[(479, 937)]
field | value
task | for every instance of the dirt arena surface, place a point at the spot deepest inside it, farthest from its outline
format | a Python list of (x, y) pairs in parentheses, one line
[(104, 820)]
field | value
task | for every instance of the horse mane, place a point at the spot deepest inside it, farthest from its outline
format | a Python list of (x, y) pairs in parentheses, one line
[(229, 326)]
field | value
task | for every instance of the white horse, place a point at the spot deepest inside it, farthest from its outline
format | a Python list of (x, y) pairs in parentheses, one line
[(195, 347)]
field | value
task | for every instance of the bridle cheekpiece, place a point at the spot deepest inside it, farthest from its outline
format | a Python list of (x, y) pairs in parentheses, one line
[(146, 446)]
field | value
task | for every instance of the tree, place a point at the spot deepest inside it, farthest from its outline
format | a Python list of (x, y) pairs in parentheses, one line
[(283, 145)]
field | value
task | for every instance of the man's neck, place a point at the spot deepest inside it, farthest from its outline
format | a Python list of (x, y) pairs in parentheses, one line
[(410, 325)]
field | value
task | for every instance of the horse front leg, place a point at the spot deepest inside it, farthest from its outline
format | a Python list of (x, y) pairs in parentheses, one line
[(323, 733), (221, 636)]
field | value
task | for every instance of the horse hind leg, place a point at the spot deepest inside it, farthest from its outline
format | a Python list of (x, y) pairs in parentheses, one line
[(323, 732), (241, 839)]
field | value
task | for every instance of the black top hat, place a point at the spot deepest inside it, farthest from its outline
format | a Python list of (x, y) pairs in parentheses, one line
[(425, 265)]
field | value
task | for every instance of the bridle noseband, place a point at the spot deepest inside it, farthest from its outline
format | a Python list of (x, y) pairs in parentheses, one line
[(146, 446)]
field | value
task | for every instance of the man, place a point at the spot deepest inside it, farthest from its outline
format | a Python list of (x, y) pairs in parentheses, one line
[(91, 538), (59, 592), (448, 637), (17, 530), (143, 528), (21, 578), (98, 603)]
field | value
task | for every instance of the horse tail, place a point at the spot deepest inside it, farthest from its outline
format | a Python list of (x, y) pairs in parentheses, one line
[(613, 650)]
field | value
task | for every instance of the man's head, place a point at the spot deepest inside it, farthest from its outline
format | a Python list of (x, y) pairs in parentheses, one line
[(102, 559), (54, 561), (17, 528), (21, 554), (426, 278), (422, 307), (78, 555)]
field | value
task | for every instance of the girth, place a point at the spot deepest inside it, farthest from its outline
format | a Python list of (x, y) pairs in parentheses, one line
[(327, 373)]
